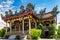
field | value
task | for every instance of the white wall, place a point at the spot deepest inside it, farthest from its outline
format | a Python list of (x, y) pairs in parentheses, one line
[(2, 23)]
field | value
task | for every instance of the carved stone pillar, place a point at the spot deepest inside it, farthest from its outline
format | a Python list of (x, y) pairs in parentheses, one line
[(23, 26), (29, 24), (19, 28), (10, 27), (15, 29)]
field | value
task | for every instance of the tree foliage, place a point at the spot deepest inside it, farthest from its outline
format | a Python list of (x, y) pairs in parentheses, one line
[(2, 32), (8, 29), (35, 33), (59, 22), (40, 26), (52, 29), (58, 32)]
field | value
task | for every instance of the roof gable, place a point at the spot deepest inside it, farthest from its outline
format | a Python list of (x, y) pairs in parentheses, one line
[(47, 15)]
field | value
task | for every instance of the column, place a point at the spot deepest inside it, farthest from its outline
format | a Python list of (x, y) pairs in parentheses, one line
[(35, 25), (19, 28), (29, 24), (56, 24), (10, 27), (15, 29), (23, 26), (55, 20)]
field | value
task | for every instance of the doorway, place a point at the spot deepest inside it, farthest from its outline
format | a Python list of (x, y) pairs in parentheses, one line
[(26, 25)]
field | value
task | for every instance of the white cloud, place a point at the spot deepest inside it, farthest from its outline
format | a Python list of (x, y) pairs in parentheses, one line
[(3, 2), (38, 8), (1, 6), (23, 1), (9, 2), (5, 5)]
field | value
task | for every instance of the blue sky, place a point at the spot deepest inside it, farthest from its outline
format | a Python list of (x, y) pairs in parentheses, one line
[(39, 4)]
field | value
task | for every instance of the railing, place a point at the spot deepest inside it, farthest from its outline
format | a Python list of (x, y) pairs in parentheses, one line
[(16, 32), (13, 33)]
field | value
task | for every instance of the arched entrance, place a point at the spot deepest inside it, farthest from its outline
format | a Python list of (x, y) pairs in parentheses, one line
[(45, 30), (17, 24)]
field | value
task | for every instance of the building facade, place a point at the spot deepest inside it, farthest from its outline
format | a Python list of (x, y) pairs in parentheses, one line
[(28, 19)]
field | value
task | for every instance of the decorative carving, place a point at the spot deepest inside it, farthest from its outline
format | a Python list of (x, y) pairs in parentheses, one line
[(15, 12), (29, 7), (22, 10), (55, 11), (42, 12), (21, 7), (10, 12), (6, 14), (1, 15)]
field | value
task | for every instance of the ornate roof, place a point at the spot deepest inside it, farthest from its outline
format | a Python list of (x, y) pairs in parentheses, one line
[(21, 15), (41, 16), (37, 16)]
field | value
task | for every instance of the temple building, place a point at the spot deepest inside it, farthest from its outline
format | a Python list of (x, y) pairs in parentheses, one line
[(27, 18)]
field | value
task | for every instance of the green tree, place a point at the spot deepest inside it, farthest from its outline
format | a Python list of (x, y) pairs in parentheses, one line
[(40, 26), (2, 32), (8, 29), (52, 29), (35, 33), (58, 32)]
